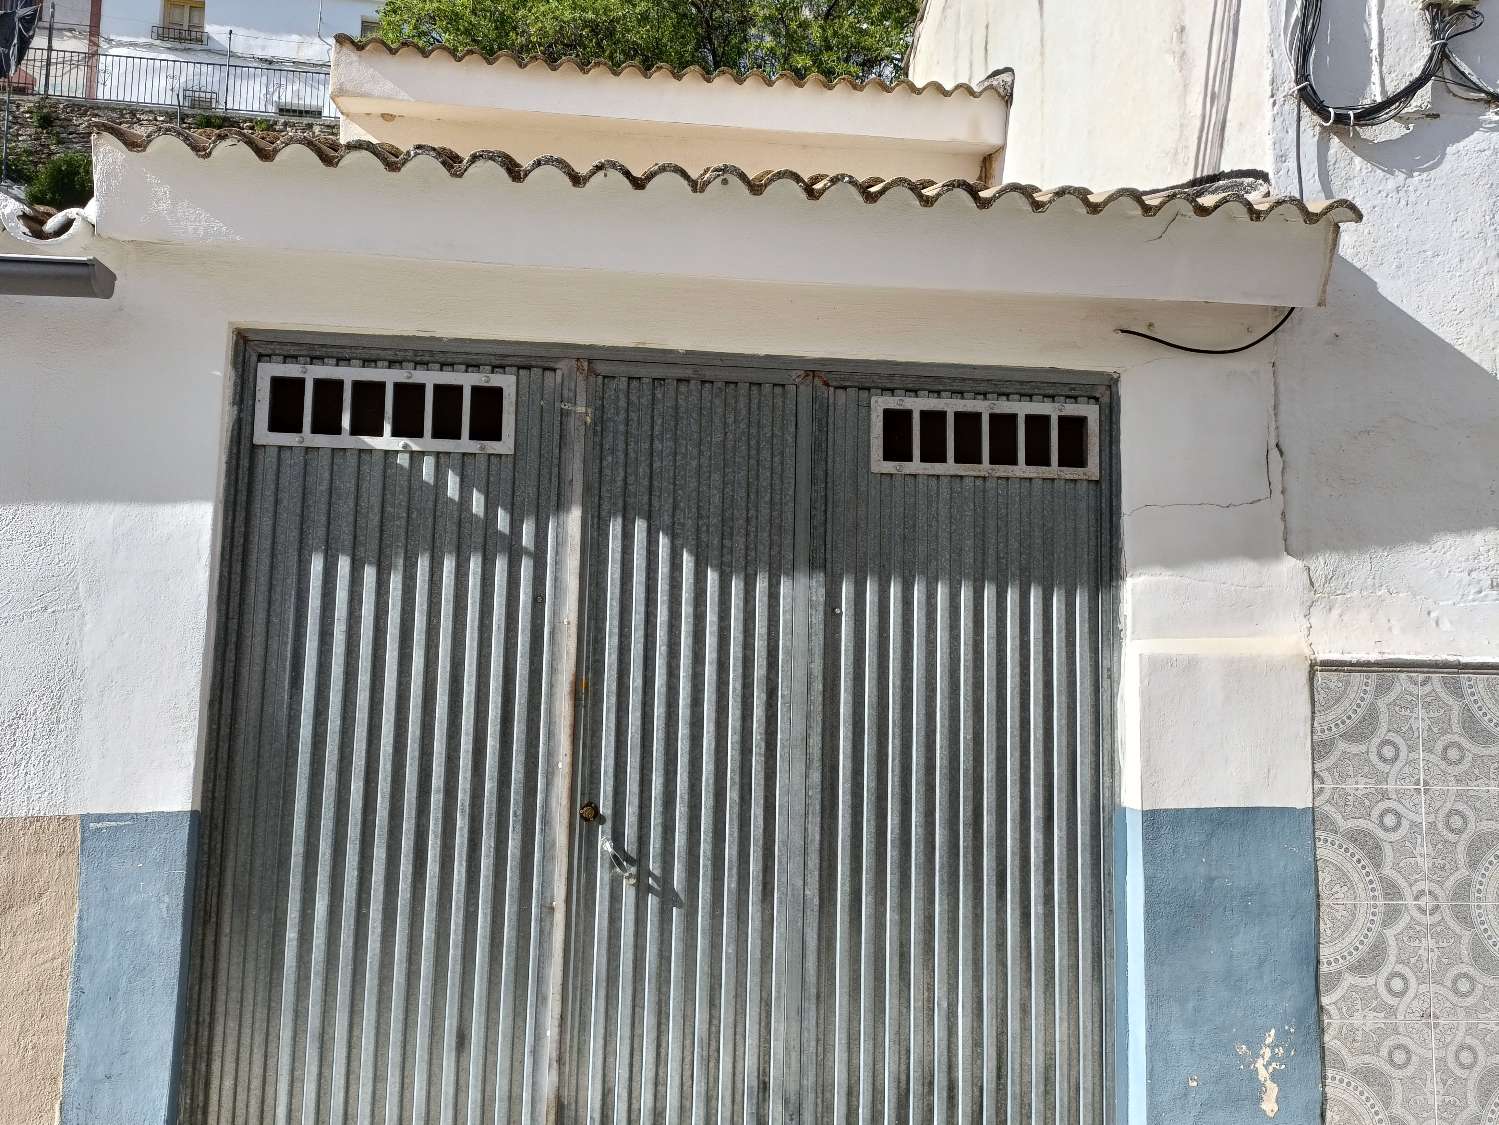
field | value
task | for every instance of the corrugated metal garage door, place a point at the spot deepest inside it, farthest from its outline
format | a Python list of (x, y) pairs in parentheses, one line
[(683, 983), (961, 928), (842, 727), (373, 939)]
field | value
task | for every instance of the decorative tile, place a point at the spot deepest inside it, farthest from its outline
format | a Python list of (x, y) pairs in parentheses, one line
[(1462, 842), (1370, 844), (1379, 1074), (1460, 731), (1467, 1073), (1365, 729), (1373, 961), (1465, 961)]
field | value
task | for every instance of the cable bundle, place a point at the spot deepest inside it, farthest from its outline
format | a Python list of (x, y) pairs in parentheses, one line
[(1446, 21)]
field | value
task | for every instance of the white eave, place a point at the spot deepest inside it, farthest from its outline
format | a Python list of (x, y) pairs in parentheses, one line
[(712, 223), (588, 112)]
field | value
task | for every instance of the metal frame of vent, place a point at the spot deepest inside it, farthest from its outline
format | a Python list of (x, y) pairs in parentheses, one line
[(198, 97), (985, 465), (466, 379)]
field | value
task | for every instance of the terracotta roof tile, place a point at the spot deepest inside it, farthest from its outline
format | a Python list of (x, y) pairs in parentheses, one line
[(814, 187), (1000, 84)]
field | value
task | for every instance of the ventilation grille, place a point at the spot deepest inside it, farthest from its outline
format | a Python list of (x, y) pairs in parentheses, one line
[(447, 410), (976, 438)]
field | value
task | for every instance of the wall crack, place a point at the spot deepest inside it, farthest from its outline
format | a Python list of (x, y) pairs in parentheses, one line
[(1201, 504), (1285, 527)]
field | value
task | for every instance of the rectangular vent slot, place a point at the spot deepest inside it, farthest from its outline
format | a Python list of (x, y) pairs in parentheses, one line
[(979, 438), (348, 407)]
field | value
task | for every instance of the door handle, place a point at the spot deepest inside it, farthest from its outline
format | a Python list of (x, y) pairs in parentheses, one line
[(622, 866), (626, 870)]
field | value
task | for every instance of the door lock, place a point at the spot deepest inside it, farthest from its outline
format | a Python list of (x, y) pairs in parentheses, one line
[(590, 813)]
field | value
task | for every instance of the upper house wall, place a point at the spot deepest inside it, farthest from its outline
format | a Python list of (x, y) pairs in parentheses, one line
[(70, 12), (1144, 94), (587, 114), (1388, 399), (297, 30)]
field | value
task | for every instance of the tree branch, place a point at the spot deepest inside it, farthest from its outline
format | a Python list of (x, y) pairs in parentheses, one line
[(709, 43)]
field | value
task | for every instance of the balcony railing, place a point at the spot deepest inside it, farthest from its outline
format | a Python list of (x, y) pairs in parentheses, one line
[(179, 34), (197, 87)]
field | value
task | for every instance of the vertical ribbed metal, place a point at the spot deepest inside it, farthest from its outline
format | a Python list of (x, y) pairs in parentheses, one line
[(847, 728), (961, 766), (693, 746), (374, 939)]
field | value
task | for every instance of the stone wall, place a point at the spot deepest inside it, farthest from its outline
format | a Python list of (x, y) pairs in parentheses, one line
[(41, 128)]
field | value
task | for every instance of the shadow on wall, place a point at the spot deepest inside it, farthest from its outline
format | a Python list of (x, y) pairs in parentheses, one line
[(1390, 433), (1388, 436), (1389, 401), (1422, 145), (1217, 86), (1362, 55)]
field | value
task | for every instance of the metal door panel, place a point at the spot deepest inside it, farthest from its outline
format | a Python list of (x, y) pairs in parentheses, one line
[(695, 732), (374, 933), (961, 763)]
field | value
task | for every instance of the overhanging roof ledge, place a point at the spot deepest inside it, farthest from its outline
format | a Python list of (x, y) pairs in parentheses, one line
[(466, 101)]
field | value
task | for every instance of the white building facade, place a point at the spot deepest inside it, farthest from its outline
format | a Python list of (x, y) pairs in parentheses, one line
[(846, 679), (1382, 413), (230, 56)]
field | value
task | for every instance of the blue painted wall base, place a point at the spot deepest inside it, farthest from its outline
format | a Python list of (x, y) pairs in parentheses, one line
[(129, 962), (1219, 947), (1217, 912)]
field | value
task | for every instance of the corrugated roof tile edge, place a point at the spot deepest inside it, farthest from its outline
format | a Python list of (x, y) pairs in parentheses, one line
[(926, 192), (521, 62)]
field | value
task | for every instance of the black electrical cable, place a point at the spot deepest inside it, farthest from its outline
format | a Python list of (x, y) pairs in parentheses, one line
[(1259, 175), (1446, 21), (1279, 324)]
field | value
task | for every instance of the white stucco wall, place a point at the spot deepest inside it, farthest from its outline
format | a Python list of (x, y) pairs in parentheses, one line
[(1387, 398), (1144, 94), (1390, 396), (109, 469)]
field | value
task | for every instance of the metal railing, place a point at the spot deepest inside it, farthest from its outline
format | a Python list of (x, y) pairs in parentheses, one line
[(239, 89), (179, 34)]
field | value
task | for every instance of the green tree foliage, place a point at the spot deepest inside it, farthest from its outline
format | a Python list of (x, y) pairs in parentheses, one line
[(64, 181), (863, 38)]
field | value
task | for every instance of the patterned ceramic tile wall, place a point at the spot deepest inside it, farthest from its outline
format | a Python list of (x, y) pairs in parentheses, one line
[(1407, 820)]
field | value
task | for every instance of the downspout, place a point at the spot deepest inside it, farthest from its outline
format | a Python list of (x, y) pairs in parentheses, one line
[(25, 275)]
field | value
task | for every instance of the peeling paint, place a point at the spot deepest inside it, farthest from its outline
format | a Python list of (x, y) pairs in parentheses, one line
[(1264, 1069)]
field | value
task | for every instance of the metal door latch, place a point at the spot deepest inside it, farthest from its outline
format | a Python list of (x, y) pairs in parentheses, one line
[(629, 872), (622, 866)]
